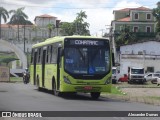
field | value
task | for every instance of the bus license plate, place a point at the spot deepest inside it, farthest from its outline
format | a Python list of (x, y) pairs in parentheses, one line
[(88, 87)]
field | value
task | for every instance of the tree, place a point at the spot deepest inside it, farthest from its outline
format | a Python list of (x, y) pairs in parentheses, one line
[(124, 36), (18, 17), (156, 14), (4, 15), (50, 27), (78, 26), (66, 28), (81, 26)]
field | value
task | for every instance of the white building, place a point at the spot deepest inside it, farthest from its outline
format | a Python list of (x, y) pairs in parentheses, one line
[(143, 54), (30, 33)]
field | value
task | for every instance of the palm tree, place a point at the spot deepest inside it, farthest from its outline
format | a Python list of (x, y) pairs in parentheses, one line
[(81, 16), (35, 29), (4, 15), (81, 26), (50, 27), (18, 16)]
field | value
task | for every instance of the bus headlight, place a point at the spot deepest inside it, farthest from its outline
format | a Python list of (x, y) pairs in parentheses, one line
[(108, 81), (66, 80)]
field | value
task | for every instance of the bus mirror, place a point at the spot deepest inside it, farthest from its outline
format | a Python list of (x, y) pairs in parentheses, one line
[(113, 60)]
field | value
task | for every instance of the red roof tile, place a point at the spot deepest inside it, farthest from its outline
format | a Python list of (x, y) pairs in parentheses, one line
[(139, 8), (124, 19), (46, 16)]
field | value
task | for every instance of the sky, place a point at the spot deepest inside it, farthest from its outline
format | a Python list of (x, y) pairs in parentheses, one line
[(99, 12)]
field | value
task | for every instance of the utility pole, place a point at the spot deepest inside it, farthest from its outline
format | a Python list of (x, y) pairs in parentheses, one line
[(112, 41), (24, 39)]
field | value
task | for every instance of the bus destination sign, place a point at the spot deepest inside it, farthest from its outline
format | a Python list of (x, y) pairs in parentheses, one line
[(86, 42)]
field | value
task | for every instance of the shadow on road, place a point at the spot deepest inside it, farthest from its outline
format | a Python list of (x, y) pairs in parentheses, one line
[(79, 96)]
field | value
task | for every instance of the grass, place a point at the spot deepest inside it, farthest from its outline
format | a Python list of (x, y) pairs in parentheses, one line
[(116, 90), (15, 79), (154, 97)]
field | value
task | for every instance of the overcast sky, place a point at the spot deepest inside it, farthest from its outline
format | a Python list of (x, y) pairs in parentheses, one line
[(99, 12)]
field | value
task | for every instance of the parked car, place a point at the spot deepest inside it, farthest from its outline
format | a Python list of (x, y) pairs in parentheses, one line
[(123, 78), (152, 77)]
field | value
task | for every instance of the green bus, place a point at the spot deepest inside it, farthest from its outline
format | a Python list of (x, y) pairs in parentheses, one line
[(72, 64)]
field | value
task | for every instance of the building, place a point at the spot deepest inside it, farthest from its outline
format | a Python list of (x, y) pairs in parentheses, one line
[(142, 54), (139, 20), (140, 24), (31, 34)]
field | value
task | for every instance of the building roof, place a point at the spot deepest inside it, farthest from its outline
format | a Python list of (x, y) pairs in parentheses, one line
[(126, 19), (128, 9), (44, 16)]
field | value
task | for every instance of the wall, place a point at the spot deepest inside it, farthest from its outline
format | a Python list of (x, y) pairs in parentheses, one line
[(150, 56), (151, 47)]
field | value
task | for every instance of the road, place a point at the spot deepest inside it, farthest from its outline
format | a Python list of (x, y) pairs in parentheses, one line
[(20, 97)]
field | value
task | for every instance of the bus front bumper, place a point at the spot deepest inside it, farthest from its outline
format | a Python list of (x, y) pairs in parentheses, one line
[(85, 88)]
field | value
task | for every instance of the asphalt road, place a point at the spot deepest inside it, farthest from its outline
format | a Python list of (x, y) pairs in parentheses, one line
[(20, 97)]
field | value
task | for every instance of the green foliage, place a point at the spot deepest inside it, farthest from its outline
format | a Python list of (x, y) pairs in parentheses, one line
[(78, 26), (156, 14), (3, 15), (18, 17), (50, 27), (67, 28), (7, 60), (125, 36)]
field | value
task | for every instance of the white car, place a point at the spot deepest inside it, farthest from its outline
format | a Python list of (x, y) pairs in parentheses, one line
[(152, 77), (158, 81)]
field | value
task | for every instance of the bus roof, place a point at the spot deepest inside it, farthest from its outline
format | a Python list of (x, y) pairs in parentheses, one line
[(61, 38)]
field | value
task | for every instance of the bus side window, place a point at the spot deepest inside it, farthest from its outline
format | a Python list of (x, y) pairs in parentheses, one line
[(39, 56), (48, 55), (54, 55)]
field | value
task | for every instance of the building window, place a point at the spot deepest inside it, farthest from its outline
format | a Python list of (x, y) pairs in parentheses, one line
[(136, 16), (148, 29), (150, 69), (148, 16), (135, 29)]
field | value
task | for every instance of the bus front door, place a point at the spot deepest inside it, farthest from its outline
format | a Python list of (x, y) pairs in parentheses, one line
[(34, 69)]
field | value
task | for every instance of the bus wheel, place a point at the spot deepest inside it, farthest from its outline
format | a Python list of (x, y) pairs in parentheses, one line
[(55, 92), (95, 95)]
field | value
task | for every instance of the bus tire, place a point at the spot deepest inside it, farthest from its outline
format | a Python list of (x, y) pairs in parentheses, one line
[(95, 95), (55, 92)]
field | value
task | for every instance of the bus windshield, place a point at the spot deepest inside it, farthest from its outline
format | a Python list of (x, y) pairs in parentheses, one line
[(86, 60)]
